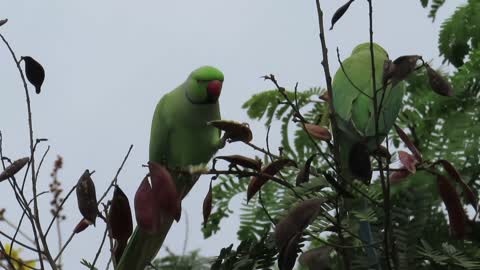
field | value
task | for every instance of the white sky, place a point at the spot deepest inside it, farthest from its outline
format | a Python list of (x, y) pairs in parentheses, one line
[(108, 63)]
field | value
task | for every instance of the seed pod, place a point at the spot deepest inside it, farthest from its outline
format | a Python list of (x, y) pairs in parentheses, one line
[(304, 174), (456, 213), (317, 258), (339, 13), (207, 205), (242, 161), (81, 226), (439, 84), (34, 71), (403, 66), (450, 169), (288, 254), (15, 167), (86, 197), (408, 161), (164, 190), (120, 216), (359, 162), (318, 132), (147, 218), (4, 21), (398, 176), (271, 169), (408, 143), (234, 131)]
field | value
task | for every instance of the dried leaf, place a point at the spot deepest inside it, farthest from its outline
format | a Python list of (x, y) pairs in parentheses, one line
[(450, 169), (120, 216), (166, 196), (207, 205), (86, 197), (35, 72), (317, 258), (271, 169), (456, 213), (4, 21), (408, 143), (439, 84), (359, 162), (242, 161), (234, 131), (408, 161), (81, 226), (403, 66), (288, 254), (297, 220), (340, 12), (318, 132), (147, 218), (304, 174), (398, 176), (15, 167)]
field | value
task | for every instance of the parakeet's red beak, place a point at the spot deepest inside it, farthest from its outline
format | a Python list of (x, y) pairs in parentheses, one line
[(214, 88)]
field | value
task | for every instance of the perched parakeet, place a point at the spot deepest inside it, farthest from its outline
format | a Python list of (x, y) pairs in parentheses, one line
[(353, 102), (180, 137)]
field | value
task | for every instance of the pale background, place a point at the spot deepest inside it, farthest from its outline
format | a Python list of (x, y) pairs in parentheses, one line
[(108, 62)]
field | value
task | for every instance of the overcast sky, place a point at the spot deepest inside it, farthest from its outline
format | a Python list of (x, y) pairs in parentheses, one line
[(108, 63)]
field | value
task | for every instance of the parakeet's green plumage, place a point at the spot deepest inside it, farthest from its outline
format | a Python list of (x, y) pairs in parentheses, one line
[(180, 137), (354, 109)]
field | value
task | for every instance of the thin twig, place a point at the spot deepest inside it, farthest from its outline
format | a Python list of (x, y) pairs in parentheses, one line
[(99, 249), (55, 215), (348, 77), (18, 242)]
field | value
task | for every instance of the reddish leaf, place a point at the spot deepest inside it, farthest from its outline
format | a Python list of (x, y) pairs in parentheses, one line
[(450, 169), (271, 169), (409, 143), (408, 161), (207, 205), (242, 161), (340, 12), (164, 190), (297, 220), (147, 218), (234, 131), (120, 216), (81, 226), (304, 174), (439, 84), (456, 213), (318, 132), (398, 176), (15, 167), (86, 197)]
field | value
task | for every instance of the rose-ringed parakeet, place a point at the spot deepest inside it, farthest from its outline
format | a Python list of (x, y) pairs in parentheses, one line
[(354, 114), (180, 137)]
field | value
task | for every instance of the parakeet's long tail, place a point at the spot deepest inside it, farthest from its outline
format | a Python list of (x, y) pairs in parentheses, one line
[(143, 247)]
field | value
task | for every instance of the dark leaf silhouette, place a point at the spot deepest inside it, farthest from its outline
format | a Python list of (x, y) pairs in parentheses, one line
[(242, 161), (408, 161), (271, 169), (166, 196), (145, 212), (439, 84), (404, 137), (86, 197), (318, 132), (207, 205), (359, 162), (288, 254), (340, 12), (304, 174), (450, 169), (35, 72), (456, 213), (234, 131), (316, 259), (120, 216), (4, 21), (13, 168)]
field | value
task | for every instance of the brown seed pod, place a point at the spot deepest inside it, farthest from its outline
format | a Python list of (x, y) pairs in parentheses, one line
[(4, 21), (318, 132), (408, 161), (242, 161), (398, 176), (402, 67), (164, 190), (234, 131), (35, 72), (271, 169), (86, 197), (456, 213), (317, 258), (450, 169), (439, 84), (81, 226), (120, 216), (147, 218), (340, 12), (207, 205), (304, 174), (404, 137), (359, 162), (15, 167)]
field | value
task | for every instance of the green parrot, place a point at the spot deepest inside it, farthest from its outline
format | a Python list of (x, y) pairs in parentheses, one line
[(179, 138), (353, 103), (354, 114)]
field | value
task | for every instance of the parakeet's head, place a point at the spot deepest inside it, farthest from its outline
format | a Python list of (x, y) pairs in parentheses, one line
[(366, 47), (204, 85)]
